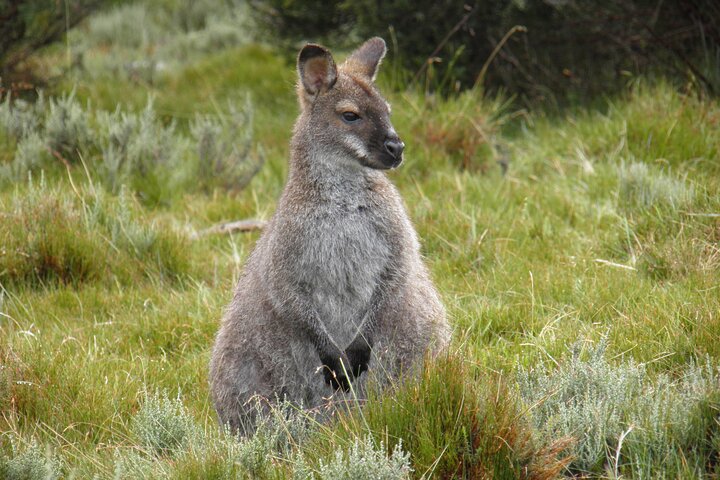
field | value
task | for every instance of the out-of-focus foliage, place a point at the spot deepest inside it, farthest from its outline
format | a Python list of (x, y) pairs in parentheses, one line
[(302, 19), (26, 26), (143, 42), (569, 47)]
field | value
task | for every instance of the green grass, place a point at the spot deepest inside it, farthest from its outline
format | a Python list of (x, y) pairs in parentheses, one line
[(52, 236), (605, 230)]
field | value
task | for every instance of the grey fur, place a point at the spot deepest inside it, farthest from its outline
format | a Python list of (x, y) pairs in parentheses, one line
[(337, 268)]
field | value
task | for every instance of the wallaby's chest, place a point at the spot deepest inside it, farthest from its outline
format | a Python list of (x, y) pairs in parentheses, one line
[(346, 253)]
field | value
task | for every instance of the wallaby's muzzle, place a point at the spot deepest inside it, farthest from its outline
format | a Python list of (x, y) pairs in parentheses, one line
[(392, 157)]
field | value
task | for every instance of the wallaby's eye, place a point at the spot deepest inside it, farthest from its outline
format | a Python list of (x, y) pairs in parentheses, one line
[(350, 117)]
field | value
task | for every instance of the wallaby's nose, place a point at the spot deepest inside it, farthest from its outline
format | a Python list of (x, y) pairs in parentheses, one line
[(394, 147)]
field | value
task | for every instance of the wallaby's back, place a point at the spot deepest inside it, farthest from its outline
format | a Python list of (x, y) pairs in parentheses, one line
[(335, 285)]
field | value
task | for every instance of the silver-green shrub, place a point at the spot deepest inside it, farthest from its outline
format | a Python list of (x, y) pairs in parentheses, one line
[(18, 118), (140, 151), (623, 420), (279, 429), (129, 465), (224, 148), (586, 398), (119, 128), (163, 425), (137, 150), (146, 39), (29, 463), (674, 425), (130, 26), (365, 461), (22, 123), (31, 154), (643, 186), (67, 125), (173, 444), (194, 15), (152, 143), (116, 218), (216, 36)]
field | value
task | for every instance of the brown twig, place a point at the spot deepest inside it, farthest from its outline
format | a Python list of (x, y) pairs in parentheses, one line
[(249, 225), (442, 43), (486, 65), (57, 155)]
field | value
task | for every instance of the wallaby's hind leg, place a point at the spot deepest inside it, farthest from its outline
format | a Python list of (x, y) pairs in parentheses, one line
[(244, 371), (235, 385), (409, 328)]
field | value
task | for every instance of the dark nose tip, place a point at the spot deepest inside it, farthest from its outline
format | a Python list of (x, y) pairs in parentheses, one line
[(394, 147)]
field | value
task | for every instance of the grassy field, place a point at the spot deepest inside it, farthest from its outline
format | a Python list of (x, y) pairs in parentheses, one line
[(583, 283)]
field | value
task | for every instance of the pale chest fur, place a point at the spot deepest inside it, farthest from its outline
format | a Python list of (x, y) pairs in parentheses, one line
[(342, 266), (337, 248)]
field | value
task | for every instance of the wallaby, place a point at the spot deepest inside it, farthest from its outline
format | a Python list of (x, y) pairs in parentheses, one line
[(335, 285)]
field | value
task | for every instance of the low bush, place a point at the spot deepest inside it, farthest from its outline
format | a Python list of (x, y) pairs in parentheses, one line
[(163, 425), (141, 42), (641, 186), (622, 420), (19, 118), (175, 446), (137, 150), (363, 461), (568, 49), (67, 126), (130, 25), (224, 149), (31, 155), (29, 463)]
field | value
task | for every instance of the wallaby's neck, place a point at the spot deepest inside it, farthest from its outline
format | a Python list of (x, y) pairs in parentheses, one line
[(329, 174)]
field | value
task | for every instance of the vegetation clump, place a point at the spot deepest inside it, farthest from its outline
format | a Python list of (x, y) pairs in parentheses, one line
[(363, 461), (472, 418), (29, 463), (137, 150), (621, 420), (163, 425), (543, 51)]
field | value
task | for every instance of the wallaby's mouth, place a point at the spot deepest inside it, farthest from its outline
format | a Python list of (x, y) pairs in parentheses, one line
[(396, 163), (392, 156), (387, 162)]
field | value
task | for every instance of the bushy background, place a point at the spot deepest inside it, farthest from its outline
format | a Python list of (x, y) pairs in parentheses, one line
[(576, 249), (567, 50)]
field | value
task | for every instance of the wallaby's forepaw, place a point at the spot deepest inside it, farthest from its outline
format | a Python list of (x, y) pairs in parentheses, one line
[(334, 373), (338, 374), (359, 356), (336, 380)]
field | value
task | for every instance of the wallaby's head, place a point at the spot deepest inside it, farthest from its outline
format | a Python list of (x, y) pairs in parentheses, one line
[(342, 110)]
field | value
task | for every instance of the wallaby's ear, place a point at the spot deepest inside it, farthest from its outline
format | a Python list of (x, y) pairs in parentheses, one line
[(366, 59), (316, 69)]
